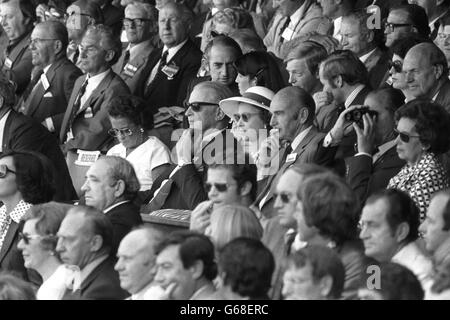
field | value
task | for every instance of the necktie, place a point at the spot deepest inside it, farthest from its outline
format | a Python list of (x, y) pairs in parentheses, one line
[(126, 59), (160, 196), (156, 69), (77, 103), (285, 25)]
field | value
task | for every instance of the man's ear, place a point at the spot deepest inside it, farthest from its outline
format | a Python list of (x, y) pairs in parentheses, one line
[(197, 269), (439, 70), (326, 283), (246, 188), (119, 188), (58, 46), (110, 54), (220, 114), (402, 232), (96, 243), (303, 116), (370, 36)]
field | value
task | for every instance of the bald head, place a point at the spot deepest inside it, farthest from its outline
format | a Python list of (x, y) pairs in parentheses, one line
[(425, 66)]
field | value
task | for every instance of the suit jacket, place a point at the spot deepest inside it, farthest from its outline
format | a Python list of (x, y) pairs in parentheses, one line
[(310, 150), (377, 65), (123, 218), (187, 184), (11, 258), (23, 133), (132, 71), (90, 132), (311, 20), (101, 284), (366, 177), (52, 102), (165, 92), (443, 97), (19, 71)]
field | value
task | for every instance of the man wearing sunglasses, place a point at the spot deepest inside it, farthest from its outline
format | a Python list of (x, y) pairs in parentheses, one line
[(16, 18), (206, 143), (140, 27), (376, 160), (49, 91)]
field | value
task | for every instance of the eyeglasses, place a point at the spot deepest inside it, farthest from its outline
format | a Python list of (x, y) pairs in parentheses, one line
[(195, 106), (122, 132), (397, 65), (284, 197), (245, 116), (27, 237), (390, 27), (221, 187), (136, 22), (404, 136), (34, 41), (4, 170)]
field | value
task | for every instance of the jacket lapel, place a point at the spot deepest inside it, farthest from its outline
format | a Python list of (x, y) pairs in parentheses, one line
[(9, 239), (75, 91), (98, 91)]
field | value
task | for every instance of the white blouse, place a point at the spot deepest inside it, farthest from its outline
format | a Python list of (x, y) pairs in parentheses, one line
[(149, 155)]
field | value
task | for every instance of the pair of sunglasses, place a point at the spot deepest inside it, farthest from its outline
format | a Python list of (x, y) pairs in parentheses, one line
[(397, 65), (196, 106), (221, 187), (4, 170), (27, 237), (284, 197), (404, 136), (245, 116)]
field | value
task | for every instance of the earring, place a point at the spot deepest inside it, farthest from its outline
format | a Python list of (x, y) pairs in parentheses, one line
[(141, 130)]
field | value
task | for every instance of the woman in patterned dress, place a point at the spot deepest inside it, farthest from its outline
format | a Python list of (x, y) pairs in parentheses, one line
[(423, 137)]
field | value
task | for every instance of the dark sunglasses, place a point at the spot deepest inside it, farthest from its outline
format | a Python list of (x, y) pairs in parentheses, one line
[(404, 136), (245, 116), (4, 170), (221, 187), (195, 106), (284, 197), (27, 237), (397, 65)]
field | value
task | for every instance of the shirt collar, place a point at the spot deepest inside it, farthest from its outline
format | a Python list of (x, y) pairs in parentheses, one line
[(46, 68), (366, 56), (298, 139), (386, 146), (97, 78), (173, 50), (133, 49), (352, 96), (297, 15), (115, 205), (91, 266), (19, 210)]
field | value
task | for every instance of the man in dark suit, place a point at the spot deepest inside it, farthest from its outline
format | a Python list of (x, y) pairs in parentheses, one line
[(85, 240), (47, 95), (205, 143), (376, 161), (111, 185), (20, 132), (140, 27), (85, 125), (113, 15), (169, 70), (293, 111), (17, 17)]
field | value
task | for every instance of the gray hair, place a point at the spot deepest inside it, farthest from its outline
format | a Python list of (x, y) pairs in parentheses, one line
[(121, 169), (149, 10), (220, 90), (186, 14), (108, 40)]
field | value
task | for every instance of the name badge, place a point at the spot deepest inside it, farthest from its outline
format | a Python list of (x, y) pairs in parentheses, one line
[(291, 157), (88, 113), (170, 70), (86, 158), (288, 33), (8, 63), (45, 82), (130, 70)]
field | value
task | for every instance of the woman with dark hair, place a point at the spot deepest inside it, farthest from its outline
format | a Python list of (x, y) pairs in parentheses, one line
[(26, 178), (258, 68), (130, 124), (38, 245), (422, 129)]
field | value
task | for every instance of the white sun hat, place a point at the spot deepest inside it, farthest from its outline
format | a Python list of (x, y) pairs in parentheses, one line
[(256, 96)]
